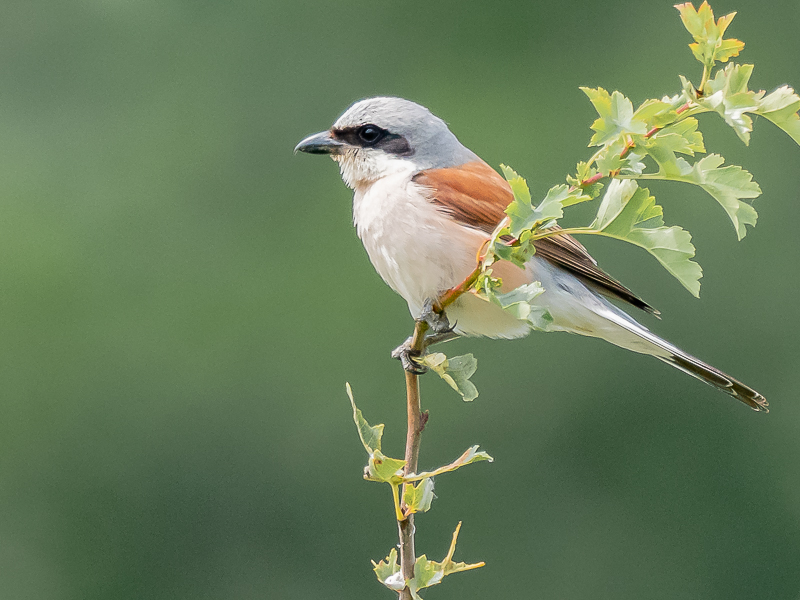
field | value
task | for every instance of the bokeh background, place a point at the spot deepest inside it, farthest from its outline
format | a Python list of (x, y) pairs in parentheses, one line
[(182, 301)]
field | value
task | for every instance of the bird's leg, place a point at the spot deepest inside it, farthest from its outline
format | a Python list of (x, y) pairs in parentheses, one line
[(438, 338), (436, 320), (442, 332)]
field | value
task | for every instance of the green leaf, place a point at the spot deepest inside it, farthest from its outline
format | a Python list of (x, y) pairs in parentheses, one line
[(656, 113), (454, 371), (370, 436), (380, 467), (781, 108), (728, 185), (518, 185), (388, 572), (520, 210), (629, 213), (727, 94), (682, 137), (609, 160), (384, 469), (616, 116), (519, 303), (695, 22), (486, 283), (518, 252), (523, 216), (470, 456), (418, 497), (428, 573), (709, 44), (584, 172)]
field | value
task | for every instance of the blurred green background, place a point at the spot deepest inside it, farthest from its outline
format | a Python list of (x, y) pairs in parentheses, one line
[(182, 301)]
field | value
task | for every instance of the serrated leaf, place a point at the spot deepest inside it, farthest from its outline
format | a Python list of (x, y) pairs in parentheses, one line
[(616, 116), (388, 572), (370, 436), (518, 252), (656, 113), (523, 216), (519, 303), (585, 172), (694, 21), (518, 185), (682, 137), (418, 498), (427, 573), (628, 212), (728, 185), (486, 283), (633, 164), (609, 160), (556, 199), (454, 371), (727, 94), (727, 49), (781, 108), (691, 140), (708, 34), (384, 469), (521, 209), (470, 456)]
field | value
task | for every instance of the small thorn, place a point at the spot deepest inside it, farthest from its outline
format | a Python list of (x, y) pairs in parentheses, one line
[(423, 420)]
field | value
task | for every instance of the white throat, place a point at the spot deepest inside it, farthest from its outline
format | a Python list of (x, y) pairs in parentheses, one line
[(364, 166), (414, 247)]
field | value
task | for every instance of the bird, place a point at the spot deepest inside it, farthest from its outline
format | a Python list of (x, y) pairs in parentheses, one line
[(424, 205)]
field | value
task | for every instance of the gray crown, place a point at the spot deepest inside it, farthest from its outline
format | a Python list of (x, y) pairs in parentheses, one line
[(433, 144)]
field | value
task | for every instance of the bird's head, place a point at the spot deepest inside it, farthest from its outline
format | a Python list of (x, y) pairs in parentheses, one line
[(381, 136)]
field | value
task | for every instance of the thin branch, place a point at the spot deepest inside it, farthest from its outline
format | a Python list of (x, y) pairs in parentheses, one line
[(413, 436), (704, 80)]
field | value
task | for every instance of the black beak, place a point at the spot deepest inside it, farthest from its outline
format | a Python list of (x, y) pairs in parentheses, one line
[(320, 143)]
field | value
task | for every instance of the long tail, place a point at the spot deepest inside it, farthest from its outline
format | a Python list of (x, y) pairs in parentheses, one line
[(672, 355), (722, 381), (577, 309)]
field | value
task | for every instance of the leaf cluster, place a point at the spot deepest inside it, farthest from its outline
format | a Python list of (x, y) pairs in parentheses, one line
[(384, 469), (657, 140), (417, 496), (709, 45), (427, 573)]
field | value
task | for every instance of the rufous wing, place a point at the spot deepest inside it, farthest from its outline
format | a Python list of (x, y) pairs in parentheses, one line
[(476, 196)]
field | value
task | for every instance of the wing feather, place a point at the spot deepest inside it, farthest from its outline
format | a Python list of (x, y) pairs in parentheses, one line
[(476, 195)]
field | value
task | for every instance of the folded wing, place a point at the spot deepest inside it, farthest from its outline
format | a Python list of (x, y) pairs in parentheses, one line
[(475, 195)]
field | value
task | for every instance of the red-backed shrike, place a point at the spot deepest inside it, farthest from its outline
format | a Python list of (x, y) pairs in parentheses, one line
[(424, 204)]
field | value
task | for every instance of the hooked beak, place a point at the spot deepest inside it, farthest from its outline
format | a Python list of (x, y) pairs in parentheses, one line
[(321, 143)]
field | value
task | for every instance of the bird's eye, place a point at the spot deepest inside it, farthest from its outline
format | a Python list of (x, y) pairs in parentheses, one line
[(369, 134)]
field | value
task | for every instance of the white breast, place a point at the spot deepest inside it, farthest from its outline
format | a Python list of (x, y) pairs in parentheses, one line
[(411, 244), (420, 252)]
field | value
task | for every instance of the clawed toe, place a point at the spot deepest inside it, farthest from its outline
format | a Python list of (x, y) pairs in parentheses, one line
[(406, 355)]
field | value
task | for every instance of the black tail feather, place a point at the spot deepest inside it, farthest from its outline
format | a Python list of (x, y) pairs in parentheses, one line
[(718, 379)]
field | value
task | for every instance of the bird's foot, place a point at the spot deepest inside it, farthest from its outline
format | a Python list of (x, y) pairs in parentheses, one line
[(406, 355), (437, 321)]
